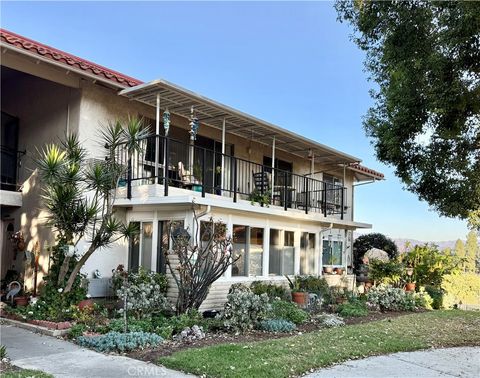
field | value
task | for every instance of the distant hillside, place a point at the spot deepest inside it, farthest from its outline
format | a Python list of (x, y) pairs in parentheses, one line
[(401, 242), (441, 244)]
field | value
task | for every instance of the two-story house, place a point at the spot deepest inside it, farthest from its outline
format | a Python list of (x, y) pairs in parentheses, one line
[(287, 201)]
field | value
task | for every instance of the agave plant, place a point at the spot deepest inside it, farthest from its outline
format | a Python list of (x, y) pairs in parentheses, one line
[(79, 193)]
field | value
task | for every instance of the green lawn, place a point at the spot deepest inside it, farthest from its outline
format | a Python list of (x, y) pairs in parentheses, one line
[(26, 374), (298, 354)]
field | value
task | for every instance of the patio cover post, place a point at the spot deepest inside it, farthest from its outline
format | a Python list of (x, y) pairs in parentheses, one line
[(273, 168), (157, 134), (222, 172)]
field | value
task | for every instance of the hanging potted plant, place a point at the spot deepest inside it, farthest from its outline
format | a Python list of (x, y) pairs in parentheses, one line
[(299, 295)]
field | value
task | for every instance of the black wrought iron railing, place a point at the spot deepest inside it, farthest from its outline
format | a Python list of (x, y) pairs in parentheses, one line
[(10, 167), (182, 165)]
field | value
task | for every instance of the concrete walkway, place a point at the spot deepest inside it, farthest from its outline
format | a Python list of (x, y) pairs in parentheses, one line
[(452, 362), (60, 358)]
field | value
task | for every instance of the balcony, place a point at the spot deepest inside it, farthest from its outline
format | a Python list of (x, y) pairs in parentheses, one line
[(9, 183), (194, 168)]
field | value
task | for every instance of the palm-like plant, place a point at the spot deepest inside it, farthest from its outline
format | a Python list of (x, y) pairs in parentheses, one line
[(79, 193)]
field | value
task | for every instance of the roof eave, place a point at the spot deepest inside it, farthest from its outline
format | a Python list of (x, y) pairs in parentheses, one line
[(132, 92)]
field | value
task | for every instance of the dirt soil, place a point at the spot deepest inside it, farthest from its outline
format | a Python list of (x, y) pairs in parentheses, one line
[(170, 347)]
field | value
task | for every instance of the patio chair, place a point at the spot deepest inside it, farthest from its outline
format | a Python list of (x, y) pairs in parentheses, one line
[(262, 183), (186, 178)]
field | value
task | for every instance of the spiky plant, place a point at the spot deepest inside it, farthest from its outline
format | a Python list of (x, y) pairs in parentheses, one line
[(79, 193)]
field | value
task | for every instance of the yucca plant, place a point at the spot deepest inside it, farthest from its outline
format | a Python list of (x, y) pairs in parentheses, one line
[(79, 193)]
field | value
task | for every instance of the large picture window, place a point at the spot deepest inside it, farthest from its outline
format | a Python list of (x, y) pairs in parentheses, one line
[(248, 248), (281, 255), (141, 247), (307, 253), (332, 253)]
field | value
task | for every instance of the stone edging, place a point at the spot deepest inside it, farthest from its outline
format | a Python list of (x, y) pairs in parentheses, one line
[(35, 328)]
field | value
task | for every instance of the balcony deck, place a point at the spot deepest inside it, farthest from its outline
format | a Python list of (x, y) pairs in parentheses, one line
[(183, 170)]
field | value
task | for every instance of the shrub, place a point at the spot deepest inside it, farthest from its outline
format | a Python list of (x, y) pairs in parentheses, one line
[(169, 326), (355, 309), (244, 309), (273, 291), (133, 325), (374, 240), (77, 330), (288, 311), (331, 320), (430, 265), (276, 325), (121, 342), (437, 296), (389, 272), (461, 289), (144, 292), (388, 298)]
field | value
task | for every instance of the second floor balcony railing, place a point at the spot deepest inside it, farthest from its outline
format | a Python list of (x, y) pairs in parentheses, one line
[(10, 166), (199, 169)]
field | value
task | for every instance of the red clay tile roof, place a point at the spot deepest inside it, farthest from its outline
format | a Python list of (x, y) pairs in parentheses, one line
[(68, 60), (371, 172)]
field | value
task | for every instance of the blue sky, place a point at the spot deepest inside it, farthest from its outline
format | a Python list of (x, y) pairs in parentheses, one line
[(291, 64)]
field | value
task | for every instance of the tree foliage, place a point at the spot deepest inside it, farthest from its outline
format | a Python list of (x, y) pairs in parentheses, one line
[(425, 59), (79, 192), (374, 240)]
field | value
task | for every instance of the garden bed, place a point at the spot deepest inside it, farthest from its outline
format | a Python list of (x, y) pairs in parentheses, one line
[(298, 354), (170, 347)]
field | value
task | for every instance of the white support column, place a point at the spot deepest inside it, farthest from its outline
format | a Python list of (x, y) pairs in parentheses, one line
[(273, 165), (228, 273), (316, 265), (222, 173), (312, 165), (266, 250), (157, 141), (296, 243), (154, 242), (321, 253)]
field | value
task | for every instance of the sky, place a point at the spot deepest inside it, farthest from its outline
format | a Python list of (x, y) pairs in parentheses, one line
[(289, 63)]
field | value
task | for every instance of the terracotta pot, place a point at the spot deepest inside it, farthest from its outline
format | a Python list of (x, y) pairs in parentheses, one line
[(410, 286), (300, 298), (327, 269), (21, 301), (339, 271), (85, 303)]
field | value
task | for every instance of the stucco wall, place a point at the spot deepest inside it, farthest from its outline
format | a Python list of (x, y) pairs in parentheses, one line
[(45, 111)]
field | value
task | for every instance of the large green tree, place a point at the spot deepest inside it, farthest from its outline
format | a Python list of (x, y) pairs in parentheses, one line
[(425, 60)]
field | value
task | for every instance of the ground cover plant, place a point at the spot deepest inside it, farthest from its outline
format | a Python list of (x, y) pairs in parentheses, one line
[(298, 354)]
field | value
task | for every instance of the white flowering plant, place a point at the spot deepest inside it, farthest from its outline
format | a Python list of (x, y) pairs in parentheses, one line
[(143, 292), (388, 298)]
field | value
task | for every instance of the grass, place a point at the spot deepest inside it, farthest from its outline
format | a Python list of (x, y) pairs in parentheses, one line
[(298, 354), (26, 374)]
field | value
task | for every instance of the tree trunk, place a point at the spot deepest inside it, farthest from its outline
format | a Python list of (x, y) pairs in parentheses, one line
[(78, 266), (63, 270)]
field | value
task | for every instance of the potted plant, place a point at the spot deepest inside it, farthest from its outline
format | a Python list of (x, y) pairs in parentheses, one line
[(22, 299), (410, 285), (263, 199), (339, 271), (299, 295)]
